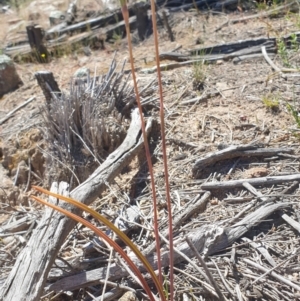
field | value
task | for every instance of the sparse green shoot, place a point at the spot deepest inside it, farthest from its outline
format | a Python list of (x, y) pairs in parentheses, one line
[(199, 74), (295, 114), (271, 102)]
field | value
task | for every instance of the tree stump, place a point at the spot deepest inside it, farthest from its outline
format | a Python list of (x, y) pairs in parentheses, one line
[(48, 85), (142, 20), (35, 37)]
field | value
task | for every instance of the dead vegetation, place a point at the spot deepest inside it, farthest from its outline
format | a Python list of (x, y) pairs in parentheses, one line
[(233, 165)]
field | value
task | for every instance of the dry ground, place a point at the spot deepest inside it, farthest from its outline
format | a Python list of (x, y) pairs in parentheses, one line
[(232, 113)]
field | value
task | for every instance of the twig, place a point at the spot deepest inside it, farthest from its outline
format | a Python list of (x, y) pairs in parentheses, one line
[(29, 173), (209, 275), (275, 267), (291, 221), (273, 274), (186, 258), (269, 61), (108, 266), (17, 109), (261, 249), (205, 285), (223, 280), (254, 182), (235, 151), (195, 206), (17, 174)]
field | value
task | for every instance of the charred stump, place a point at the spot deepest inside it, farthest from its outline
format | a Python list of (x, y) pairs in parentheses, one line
[(35, 36)]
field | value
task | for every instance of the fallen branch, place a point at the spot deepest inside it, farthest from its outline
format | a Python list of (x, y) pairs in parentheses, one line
[(43, 246), (11, 113), (235, 151), (273, 274), (255, 182), (272, 64)]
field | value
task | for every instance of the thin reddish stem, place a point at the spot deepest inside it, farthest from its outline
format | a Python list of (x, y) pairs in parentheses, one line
[(148, 155), (164, 149)]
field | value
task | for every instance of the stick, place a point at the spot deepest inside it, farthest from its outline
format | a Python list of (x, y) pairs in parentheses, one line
[(269, 61), (254, 182), (209, 275), (273, 274), (235, 151), (199, 205), (17, 109)]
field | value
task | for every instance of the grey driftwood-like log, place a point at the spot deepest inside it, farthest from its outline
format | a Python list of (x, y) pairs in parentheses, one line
[(229, 50), (255, 182), (27, 279), (236, 151), (208, 239), (93, 23), (58, 42)]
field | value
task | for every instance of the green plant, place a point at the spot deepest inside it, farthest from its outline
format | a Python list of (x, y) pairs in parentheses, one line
[(294, 42), (271, 101), (199, 74), (261, 6), (295, 114), (282, 51)]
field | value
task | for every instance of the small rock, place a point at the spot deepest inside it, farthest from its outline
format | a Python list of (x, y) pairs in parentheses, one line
[(6, 9), (256, 172), (21, 172), (82, 72), (224, 89), (56, 17), (7, 240), (9, 79), (37, 161)]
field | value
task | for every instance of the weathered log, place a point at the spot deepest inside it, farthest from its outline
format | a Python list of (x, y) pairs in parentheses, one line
[(208, 239), (255, 182), (27, 279), (93, 23), (62, 41), (235, 151)]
